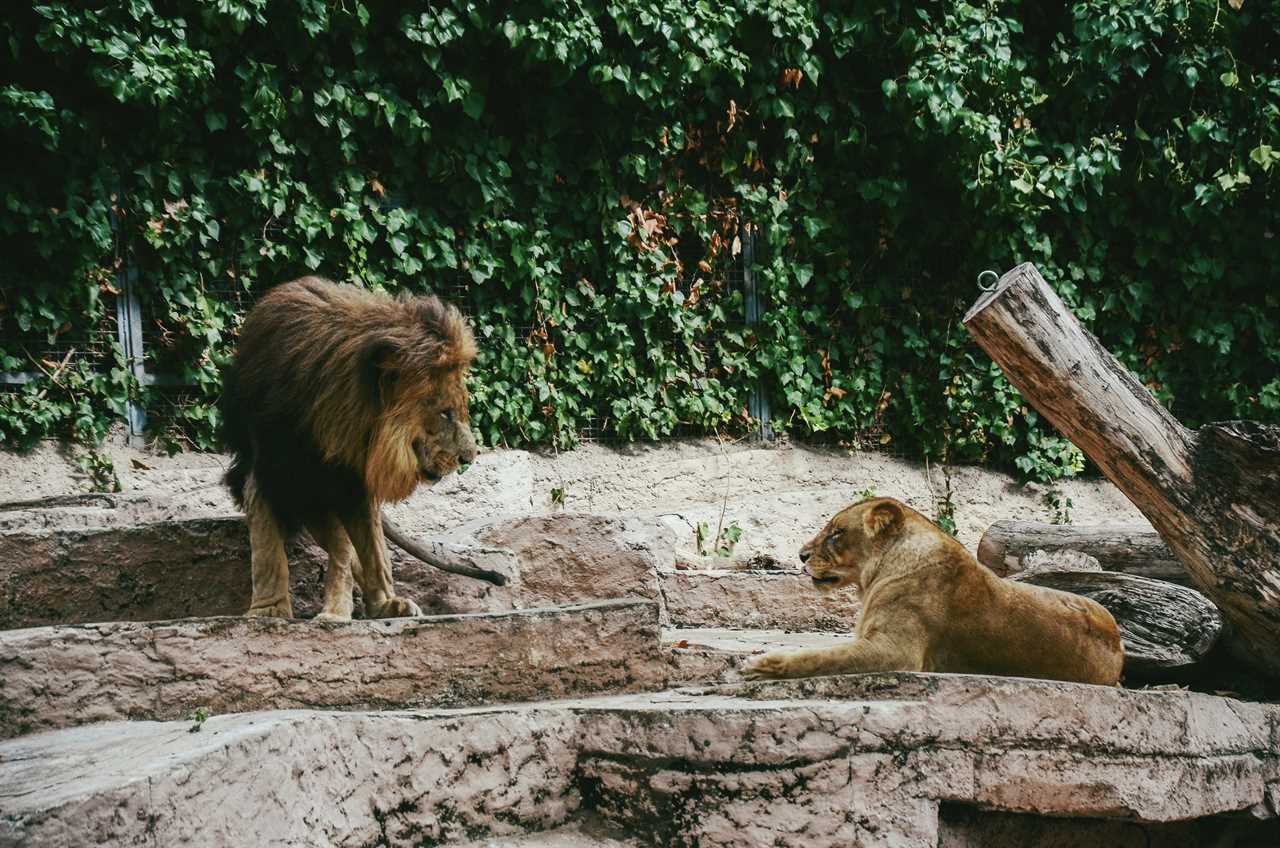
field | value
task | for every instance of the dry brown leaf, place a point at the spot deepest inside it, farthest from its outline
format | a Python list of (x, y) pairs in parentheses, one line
[(156, 225), (377, 187), (736, 247)]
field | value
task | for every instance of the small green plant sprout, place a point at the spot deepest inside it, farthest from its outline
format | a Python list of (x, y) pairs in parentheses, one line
[(700, 534), (729, 537), (100, 468), (199, 715), (1060, 504), (944, 506), (866, 494), (721, 543), (947, 514), (558, 494)]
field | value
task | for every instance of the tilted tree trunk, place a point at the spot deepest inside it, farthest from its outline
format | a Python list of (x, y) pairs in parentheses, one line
[(1127, 548), (1213, 494), (1166, 628)]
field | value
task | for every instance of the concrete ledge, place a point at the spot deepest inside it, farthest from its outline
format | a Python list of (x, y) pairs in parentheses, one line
[(893, 760), (61, 676), (756, 600)]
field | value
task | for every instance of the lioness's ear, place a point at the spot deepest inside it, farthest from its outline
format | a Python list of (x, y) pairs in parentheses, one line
[(883, 516)]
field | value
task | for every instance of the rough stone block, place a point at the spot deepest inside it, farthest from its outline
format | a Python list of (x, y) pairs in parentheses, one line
[(754, 600), (74, 674), (290, 778)]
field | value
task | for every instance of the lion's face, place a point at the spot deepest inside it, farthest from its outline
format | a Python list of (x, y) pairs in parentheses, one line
[(850, 542), (443, 440)]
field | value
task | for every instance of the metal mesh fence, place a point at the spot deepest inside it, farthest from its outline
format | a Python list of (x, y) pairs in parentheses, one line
[(41, 351)]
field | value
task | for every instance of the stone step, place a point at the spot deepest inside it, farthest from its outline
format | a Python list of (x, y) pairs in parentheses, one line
[(60, 568), (715, 654), (73, 674), (907, 760), (754, 600)]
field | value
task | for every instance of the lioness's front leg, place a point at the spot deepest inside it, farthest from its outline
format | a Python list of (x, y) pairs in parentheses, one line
[(269, 563), (861, 655), (374, 573)]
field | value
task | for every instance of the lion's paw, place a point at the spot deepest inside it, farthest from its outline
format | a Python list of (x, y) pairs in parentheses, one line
[(332, 616), (280, 609), (767, 667), (397, 607)]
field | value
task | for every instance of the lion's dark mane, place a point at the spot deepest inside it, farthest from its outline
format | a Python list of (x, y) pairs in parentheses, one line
[(301, 398)]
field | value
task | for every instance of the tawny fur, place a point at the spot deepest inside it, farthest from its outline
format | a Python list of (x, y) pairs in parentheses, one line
[(340, 400), (927, 605)]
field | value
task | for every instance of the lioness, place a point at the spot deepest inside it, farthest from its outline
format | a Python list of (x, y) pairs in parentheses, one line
[(927, 605)]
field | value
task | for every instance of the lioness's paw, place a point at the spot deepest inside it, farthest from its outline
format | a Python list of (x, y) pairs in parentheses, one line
[(768, 666), (280, 609), (332, 616), (397, 608)]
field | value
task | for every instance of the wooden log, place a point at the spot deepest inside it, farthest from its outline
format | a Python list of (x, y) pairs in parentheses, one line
[(1166, 629), (1212, 494), (1127, 548)]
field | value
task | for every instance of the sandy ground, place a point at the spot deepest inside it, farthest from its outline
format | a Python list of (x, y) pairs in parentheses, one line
[(778, 496)]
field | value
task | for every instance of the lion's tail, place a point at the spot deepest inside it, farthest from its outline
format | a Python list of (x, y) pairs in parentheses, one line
[(434, 553)]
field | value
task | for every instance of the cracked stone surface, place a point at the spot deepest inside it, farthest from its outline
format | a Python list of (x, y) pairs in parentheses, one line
[(862, 760), (289, 778), (562, 556), (61, 676), (756, 600)]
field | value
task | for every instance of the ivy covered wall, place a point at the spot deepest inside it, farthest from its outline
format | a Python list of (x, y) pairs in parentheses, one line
[(580, 177)]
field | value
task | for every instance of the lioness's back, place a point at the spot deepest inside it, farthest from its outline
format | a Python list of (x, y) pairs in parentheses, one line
[(1033, 631)]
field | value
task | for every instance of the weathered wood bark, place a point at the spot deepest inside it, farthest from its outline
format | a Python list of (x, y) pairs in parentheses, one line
[(1165, 628), (1127, 548), (1212, 494)]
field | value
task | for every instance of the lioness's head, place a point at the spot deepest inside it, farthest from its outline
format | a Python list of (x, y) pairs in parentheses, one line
[(852, 543)]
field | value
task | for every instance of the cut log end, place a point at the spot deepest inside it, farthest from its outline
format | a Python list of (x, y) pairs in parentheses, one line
[(1010, 278)]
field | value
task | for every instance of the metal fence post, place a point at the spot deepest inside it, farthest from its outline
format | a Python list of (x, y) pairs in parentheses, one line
[(129, 327), (758, 402)]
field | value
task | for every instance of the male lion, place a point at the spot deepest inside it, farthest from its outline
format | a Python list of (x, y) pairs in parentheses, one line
[(339, 400), (927, 605)]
